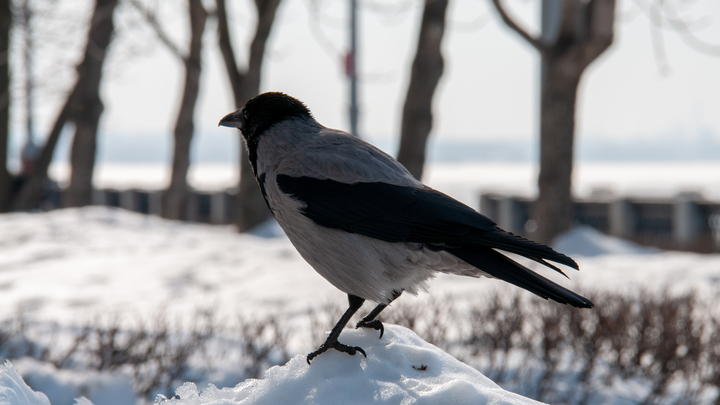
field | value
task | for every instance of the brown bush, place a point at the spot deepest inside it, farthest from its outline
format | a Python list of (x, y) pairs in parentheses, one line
[(667, 344)]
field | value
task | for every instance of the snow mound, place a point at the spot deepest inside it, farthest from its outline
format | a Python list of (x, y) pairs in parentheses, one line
[(587, 241), (400, 368), (67, 386), (268, 229), (14, 391)]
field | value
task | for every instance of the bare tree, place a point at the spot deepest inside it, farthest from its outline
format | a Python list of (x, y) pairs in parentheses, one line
[(88, 107), (5, 179), (427, 68), (26, 18), (246, 85), (574, 34), (31, 193), (83, 107), (174, 201)]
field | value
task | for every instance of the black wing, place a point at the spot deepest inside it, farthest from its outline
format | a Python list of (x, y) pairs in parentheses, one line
[(407, 214)]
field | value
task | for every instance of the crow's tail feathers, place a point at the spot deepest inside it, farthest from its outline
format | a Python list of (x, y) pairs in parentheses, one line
[(500, 266), (509, 242)]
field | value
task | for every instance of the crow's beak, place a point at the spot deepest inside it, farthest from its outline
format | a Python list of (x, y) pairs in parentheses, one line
[(233, 120)]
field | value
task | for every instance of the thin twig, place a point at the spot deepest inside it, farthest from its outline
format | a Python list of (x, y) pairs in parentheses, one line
[(515, 27), (155, 25)]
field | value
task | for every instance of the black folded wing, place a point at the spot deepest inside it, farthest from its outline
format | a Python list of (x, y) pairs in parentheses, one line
[(422, 215)]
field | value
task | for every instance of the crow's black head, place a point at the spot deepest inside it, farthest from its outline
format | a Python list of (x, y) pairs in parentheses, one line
[(262, 112), (259, 114)]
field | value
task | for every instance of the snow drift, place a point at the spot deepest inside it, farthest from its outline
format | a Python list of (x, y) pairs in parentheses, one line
[(400, 368), (67, 266), (14, 391), (67, 386), (587, 241)]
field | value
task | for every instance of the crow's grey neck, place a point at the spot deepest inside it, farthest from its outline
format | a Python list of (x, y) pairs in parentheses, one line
[(283, 138)]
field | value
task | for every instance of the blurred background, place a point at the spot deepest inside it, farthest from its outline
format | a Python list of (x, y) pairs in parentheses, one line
[(591, 125), (625, 94)]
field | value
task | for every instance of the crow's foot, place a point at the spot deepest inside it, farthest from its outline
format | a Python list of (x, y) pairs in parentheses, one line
[(374, 324), (351, 350)]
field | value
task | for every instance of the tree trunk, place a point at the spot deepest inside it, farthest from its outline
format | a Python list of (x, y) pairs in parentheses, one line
[(574, 34), (246, 85), (31, 193), (554, 210), (427, 69), (174, 203), (88, 108), (5, 180)]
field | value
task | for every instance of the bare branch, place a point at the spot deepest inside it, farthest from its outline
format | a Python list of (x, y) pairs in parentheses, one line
[(686, 32), (663, 15), (226, 48), (602, 25), (513, 25), (658, 41), (155, 25), (266, 16), (316, 29)]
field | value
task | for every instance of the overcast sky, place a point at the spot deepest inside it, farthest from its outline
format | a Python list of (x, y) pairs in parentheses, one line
[(489, 90)]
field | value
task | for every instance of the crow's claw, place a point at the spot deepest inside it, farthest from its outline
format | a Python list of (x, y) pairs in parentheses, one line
[(351, 350), (374, 324)]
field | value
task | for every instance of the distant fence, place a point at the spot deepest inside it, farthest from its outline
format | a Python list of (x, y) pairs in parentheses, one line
[(205, 207), (681, 223)]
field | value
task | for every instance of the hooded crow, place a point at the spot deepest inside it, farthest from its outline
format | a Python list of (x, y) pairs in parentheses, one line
[(366, 224)]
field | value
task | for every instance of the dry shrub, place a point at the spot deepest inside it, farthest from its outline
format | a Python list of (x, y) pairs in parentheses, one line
[(263, 342), (496, 328), (669, 345), (434, 320), (159, 355), (321, 320), (565, 355), (571, 355)]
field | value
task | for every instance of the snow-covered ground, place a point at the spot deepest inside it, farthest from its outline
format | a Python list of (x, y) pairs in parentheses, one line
[(400, 368), (14, 391), (70, 266)]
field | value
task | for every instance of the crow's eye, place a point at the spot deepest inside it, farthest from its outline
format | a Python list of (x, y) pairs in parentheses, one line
[(244, 114)]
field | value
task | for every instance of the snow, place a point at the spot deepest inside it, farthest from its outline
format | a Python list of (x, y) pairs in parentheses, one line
[(14, 391), (110, 260), (66, 386), (400, 368), (587, 241), (71, 266)]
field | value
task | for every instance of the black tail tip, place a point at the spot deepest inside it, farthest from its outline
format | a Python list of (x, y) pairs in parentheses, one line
[(582, 302)]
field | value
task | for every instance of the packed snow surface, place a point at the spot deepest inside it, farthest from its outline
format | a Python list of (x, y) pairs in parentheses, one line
[(66, 386), (587, 241), (71, 266), (400, 368), (14, 391)]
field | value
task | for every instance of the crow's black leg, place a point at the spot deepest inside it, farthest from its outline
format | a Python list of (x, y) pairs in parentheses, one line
[(370, 322), (332, 341)]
